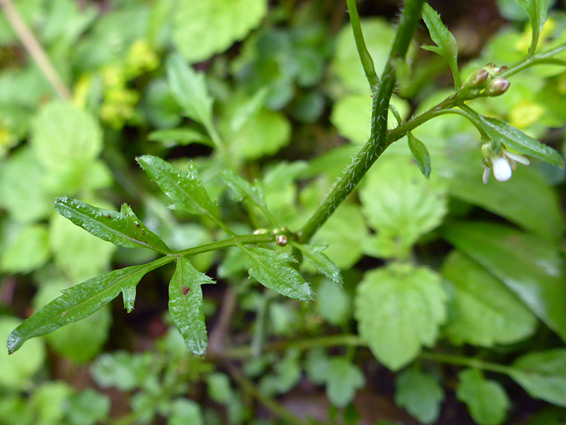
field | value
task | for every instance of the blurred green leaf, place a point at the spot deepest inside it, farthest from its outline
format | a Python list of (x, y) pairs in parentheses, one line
[(202, 28), (88, 407), (420, 394), (272, 269), (483, 310), (529, 266), (346, 63), (123, 228), (186, 305), (537, 11), (78, 302), (487, 401), (548, 416), (189, 88), (343, 232), (446, 45), (28, 251), (219, 389), (66, 141), (16, 370), (343, 379), (25, 202), (185, 190), (314, 255), (543, 375), (399, 309), (78, 253), (123, 370), (49, 402), (404, 208), (420, 153), (334, 304), (179, 136), (185, 412)]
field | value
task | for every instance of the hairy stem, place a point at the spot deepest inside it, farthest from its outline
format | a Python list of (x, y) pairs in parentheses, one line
[(377, 142), (365, 57), (34, 49)]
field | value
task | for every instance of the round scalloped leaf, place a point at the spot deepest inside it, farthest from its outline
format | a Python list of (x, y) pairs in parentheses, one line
[(203, 28), (399, 309)]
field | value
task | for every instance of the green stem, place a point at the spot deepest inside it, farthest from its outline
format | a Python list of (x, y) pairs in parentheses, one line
[(377, 142), (468, 362), (538, 59), (226, 243), (365, 57)]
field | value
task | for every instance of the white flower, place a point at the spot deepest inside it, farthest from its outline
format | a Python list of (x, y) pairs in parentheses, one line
[(503, 165)]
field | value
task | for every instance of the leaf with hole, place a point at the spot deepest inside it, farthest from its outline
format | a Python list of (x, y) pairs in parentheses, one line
[(186, 305)]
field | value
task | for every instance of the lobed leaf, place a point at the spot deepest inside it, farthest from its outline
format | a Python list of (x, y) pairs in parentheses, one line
[(420, 153), (313, 254), (399, 308), (446, 45), (122, 229), (189, 89), (529, 266), (272, 270), (543, 375), (487, 400), (185, 190), (502, 133), (186, 305), (78, 302)]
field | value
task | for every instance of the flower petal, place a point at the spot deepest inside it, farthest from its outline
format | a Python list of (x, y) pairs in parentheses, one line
[(486, 172), (518, 158), (501, 169)]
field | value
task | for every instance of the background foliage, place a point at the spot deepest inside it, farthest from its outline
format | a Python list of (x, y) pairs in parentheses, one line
[(450, 306)]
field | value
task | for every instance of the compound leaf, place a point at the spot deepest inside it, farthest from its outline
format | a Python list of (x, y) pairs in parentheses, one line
[(122, 229)]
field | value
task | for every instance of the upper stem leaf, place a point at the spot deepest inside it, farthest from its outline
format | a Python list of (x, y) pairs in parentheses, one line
[(122, 229), (78, 302)]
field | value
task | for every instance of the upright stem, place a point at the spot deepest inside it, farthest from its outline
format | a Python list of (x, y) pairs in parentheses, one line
[(377, 142), (34, 49), (365, 57)]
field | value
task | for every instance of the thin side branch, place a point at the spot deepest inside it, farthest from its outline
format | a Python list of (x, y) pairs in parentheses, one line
[(34, 49)]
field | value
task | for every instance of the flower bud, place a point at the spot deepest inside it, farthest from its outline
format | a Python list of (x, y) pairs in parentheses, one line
[(497, 86), (478, 78)]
